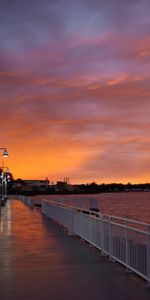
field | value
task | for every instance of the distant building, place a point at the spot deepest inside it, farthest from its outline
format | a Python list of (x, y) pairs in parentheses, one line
[(31, 185), (35, 182), (61, 186), (64, 186)]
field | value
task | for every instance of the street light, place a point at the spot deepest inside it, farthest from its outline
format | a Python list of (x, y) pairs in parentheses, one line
[(5, 153), (3, 196), (4, 179)]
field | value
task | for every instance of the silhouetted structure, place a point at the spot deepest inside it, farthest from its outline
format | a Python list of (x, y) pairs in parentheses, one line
[(63, 187)]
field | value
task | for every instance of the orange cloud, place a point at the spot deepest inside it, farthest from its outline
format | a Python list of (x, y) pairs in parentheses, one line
[(80, 109)]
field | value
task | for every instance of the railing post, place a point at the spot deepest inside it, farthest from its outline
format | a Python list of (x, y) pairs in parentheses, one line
[(110, 239), (70, 221), (102, 235), (90, 230), (126, 247), (93, 205), (148, 256)]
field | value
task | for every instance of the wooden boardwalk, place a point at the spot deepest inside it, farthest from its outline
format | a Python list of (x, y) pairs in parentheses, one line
[(39, 261)]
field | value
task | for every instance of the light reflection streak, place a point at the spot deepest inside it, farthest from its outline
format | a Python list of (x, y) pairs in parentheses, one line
[(5, 220)]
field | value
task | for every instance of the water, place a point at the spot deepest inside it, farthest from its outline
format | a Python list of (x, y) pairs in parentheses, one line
[(134, 205)]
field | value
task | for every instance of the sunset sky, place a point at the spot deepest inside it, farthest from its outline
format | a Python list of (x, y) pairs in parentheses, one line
[(75, 89)]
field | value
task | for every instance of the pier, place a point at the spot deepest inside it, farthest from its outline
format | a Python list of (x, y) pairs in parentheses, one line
[(39, 260)]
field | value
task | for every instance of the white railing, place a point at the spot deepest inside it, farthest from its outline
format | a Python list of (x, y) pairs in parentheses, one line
[(123, 240), (26, 200)]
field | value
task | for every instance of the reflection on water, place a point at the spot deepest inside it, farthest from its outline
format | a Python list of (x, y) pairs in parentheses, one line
[(5, 240), (5, 220), (30, 253), (134, 205), (27, 232)]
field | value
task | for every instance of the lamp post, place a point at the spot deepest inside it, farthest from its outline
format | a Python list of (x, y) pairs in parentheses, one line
[(3, 180)]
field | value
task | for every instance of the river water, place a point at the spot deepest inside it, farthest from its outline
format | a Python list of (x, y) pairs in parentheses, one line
[(133, 205)]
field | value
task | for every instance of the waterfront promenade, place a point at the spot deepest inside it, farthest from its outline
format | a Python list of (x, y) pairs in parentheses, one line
[(40, 261)]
